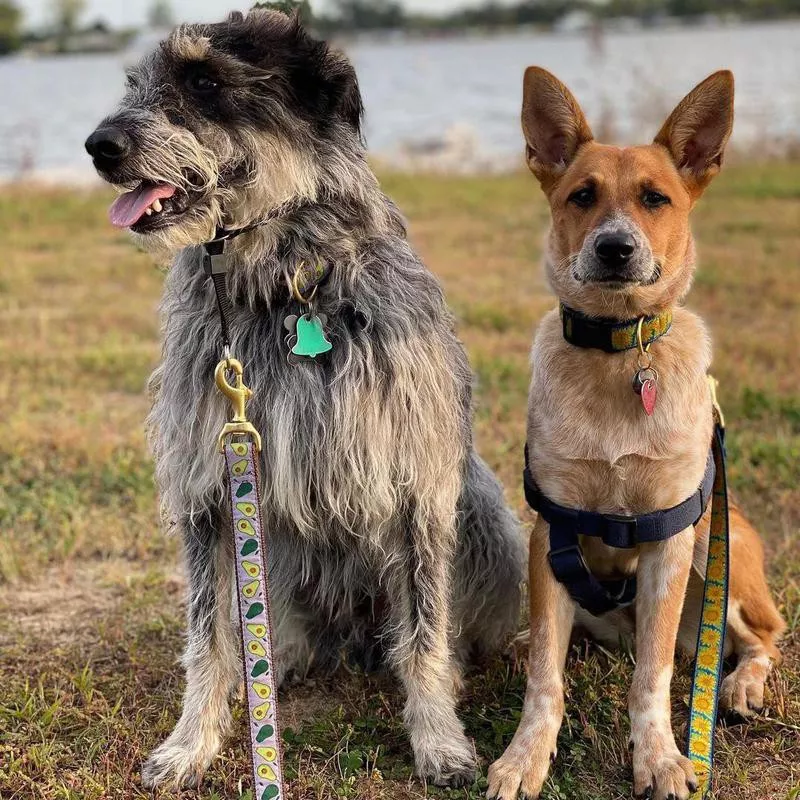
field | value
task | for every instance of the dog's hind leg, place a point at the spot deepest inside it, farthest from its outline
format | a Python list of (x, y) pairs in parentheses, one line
[(754, 624), (490, 566), (211, 659), (419, 585)]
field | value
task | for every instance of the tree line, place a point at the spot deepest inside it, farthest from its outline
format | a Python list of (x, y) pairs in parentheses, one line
[(365, 15), (65, 19), (348, 15)]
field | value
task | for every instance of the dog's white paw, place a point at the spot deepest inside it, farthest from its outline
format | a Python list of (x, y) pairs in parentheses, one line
[(177, 764), (518, 771), (660, 772), (742, 692), (446, 760)]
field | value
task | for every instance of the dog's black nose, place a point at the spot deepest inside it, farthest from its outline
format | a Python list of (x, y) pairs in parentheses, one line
[(615, 249), (108, 147)]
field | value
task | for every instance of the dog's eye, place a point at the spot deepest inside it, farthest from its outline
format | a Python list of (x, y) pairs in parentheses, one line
[(583, 198), (199, 83), (654, 199)]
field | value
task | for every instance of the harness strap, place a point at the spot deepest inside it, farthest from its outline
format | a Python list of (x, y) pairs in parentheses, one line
[(597, 596), (620, 531), (623, 532)]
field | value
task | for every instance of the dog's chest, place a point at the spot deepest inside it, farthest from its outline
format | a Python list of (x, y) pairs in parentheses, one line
[(344, 434), (593, 445)]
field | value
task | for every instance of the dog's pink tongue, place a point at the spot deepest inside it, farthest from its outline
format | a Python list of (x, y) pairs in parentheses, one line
[(129, 208)]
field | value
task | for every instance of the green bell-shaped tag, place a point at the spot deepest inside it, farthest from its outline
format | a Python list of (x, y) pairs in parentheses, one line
[(311, 339)]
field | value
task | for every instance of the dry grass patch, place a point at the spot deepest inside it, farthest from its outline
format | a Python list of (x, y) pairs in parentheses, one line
[(90, 618)]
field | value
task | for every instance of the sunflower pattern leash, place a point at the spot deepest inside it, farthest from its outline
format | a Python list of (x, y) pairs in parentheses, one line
[(252, 591), (711, 635)]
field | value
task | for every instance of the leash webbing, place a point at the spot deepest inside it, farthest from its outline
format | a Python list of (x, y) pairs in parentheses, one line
[(252, 565), (711, 635), (256, 622)]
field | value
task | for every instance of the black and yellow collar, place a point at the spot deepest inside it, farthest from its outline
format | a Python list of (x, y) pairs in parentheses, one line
[(610, 335)]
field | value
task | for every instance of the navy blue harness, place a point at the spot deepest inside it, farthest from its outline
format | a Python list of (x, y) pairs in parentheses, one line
[(566, 524)]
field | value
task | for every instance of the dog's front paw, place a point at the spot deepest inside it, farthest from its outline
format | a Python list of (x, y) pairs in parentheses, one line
[(446, 761), (660, 772), (520, 771), (742, 692), (176, 764)]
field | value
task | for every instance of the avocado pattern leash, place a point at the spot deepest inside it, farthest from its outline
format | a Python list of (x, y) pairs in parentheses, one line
[(252, 593), (307, 337), (711, 635)]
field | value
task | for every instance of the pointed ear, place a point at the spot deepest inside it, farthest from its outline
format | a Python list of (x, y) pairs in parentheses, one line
[(553, 124), (699, 128)]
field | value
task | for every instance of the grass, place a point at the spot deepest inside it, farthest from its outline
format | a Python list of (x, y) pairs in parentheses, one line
[(90, 589)]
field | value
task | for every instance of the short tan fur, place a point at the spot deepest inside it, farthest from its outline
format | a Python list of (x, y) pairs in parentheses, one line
[(593, 447)]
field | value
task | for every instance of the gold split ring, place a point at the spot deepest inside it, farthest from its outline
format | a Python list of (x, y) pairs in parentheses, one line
[(644, 360), (298, 295)]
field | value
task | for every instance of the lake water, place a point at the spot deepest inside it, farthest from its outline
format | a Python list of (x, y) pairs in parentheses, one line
[(455, 99)]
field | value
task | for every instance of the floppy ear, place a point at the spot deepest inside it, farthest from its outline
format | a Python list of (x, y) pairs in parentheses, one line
[(699, 128), (553, 124), (346, 94)]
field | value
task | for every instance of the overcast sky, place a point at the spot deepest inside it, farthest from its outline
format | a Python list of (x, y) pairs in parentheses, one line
[(134, 12)]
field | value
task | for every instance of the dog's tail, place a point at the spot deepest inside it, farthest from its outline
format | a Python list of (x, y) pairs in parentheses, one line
[(490, 566)]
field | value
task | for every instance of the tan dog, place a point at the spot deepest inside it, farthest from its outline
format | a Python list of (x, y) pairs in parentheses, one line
[(621, 248)]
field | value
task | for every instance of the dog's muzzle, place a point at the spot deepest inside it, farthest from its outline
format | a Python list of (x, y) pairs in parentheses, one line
[(616, 256)]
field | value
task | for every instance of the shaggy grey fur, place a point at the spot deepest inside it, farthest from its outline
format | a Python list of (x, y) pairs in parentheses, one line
[(388, 536)]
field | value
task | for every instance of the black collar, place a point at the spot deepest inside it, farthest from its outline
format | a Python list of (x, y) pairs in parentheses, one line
[(216, 264), (610, 335), (228, 234)]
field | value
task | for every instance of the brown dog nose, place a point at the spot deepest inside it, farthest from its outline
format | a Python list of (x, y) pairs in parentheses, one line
[(108, 147), (615, 250)]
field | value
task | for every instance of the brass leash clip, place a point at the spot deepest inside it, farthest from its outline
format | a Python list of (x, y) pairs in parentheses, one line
[(238, 395)]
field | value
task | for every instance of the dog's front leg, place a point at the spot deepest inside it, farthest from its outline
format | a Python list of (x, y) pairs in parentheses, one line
[(211, 659), (659, 769), (420, 593), (525, 764)]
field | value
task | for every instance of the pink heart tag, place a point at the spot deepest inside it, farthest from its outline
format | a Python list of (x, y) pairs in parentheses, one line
[(649, 397)]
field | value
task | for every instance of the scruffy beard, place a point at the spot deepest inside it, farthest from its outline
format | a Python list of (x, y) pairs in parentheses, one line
[(222, 183)]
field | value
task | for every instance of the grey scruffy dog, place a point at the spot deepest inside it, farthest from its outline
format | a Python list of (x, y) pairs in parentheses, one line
[(387, 531)]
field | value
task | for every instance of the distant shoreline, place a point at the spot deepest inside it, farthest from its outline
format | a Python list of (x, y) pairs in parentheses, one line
[(121, 41)]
